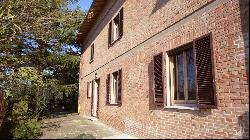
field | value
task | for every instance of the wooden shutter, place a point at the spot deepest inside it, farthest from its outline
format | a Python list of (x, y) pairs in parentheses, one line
[(109, 34), (87, 89), (158, 81), (119, 97), (204, 78), (90, 88), (108, 89), (92, 52), (121, 23)]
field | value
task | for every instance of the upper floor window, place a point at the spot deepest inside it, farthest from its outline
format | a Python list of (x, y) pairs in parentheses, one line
[(92, 53), (116, 28)]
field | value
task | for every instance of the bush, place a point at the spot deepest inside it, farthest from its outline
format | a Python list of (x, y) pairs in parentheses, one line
[(29, 129)]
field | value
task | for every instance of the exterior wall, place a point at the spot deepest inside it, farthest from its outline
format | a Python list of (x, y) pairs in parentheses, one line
[(154, 26)]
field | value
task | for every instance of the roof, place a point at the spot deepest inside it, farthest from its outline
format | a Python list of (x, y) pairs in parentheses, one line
[(96, 8)]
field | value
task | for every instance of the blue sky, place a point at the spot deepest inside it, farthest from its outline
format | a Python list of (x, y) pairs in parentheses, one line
[(84, 4)]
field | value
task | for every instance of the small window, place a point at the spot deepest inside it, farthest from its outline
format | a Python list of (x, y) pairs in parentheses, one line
[(92, 53), (116, 28), (114, 83)]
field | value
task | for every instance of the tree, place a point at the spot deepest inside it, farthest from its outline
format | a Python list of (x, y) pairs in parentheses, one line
[(37, 44), (36, 27)]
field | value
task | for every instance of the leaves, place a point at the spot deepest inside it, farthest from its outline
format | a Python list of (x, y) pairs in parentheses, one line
[(39, 60), (30, 30)]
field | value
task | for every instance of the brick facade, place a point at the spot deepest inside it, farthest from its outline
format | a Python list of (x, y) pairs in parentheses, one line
[(154, 26)]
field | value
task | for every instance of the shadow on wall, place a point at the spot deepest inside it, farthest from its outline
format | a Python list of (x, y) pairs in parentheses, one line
[(244, 15), (158, 5), (243, 122)]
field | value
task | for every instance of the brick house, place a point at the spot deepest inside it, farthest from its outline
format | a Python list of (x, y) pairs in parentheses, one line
[(167, 68)]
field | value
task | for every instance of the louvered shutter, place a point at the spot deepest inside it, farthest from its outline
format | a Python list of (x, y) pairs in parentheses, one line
[(158, 81), (92, 51), (204, 78), (109, 34), (121, 23), (90, 89), (119, 97), (87, 89), (108, 89)]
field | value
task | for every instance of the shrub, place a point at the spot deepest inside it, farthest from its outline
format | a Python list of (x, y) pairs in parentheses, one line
[(29, 129)]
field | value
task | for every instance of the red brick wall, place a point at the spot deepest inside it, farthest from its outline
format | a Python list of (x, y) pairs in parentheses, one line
[(152, 26)]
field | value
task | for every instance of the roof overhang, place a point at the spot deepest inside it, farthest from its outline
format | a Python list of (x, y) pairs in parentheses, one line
[(96, 8)]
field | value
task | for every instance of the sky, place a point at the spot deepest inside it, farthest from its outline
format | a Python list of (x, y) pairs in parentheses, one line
[(84, 4)]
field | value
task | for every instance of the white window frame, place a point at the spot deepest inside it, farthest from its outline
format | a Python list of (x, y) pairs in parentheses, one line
[(114, 89), (170, 91)]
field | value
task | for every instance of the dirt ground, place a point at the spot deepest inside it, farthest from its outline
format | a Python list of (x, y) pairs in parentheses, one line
[(73, 126)]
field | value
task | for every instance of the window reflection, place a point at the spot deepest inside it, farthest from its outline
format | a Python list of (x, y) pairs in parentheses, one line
[(191, 74), (179, 76), (189, 68)]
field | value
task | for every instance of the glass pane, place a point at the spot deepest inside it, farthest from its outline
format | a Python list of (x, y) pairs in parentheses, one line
[(116, 27), (179, 76), (191, 75)]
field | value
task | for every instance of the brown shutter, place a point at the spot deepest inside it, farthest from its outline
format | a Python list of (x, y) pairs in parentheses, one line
[(109, 34), (121, 23), (92, 52), (87, 89), (119, 98), (204, 77), (158, 81), (108, 89)]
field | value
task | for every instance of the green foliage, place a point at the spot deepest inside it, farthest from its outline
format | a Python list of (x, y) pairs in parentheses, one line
[(28, 129), (46, 19), (20, 110), (37, 42), (25, 92), (33, 31)]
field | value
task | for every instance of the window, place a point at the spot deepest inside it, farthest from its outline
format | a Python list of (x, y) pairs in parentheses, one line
[(184, 75), (189, 76), (116, 28), (92, 53), (89, 89), (114, 88)]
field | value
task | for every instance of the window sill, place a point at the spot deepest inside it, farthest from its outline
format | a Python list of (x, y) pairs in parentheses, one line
[(114, 104), (185, 107)]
